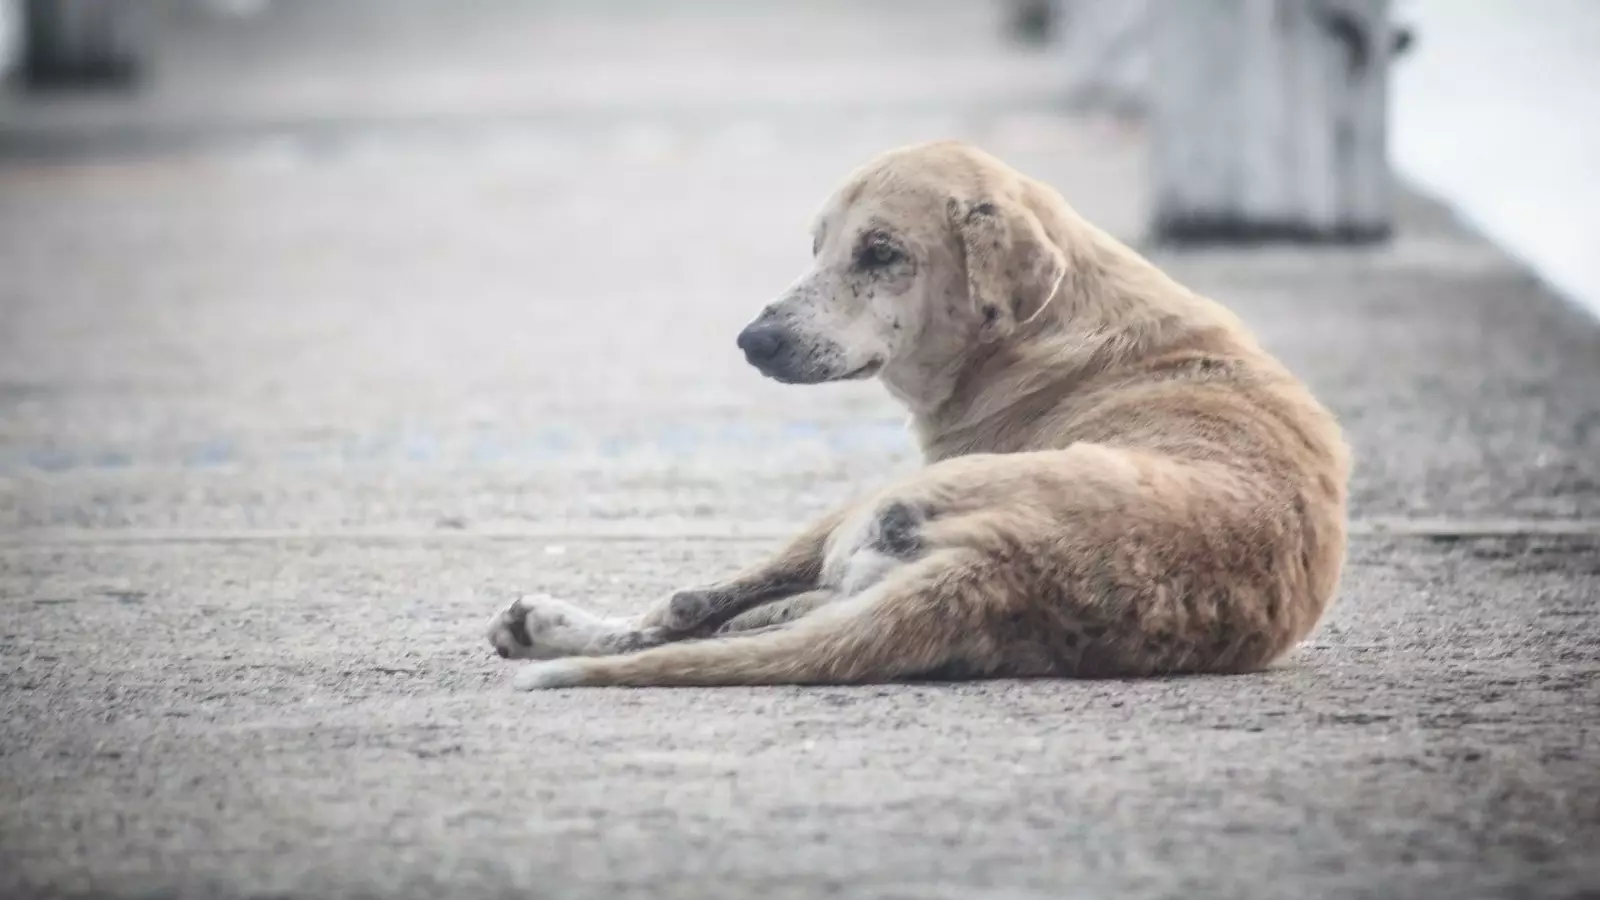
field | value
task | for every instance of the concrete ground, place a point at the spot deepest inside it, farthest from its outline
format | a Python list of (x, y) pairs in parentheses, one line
[(354, 326)]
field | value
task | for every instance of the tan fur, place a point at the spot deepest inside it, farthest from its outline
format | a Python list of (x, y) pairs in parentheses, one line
[(1120, 481)]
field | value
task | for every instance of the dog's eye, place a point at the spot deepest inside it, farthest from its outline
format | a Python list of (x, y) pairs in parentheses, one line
[(880, 253)]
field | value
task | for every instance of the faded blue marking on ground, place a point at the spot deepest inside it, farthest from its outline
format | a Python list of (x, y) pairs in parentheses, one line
[(420, 447)]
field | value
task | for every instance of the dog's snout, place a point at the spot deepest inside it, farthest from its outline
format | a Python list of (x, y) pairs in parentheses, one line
[(761, 343)]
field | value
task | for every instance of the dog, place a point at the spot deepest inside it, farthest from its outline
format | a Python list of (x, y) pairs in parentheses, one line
[(1120, 481)]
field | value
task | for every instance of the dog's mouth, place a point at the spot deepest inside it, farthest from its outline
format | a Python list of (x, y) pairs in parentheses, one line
[(821, 376), (866, 371)]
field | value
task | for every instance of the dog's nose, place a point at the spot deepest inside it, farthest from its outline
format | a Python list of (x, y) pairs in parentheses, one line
[(761, 343)]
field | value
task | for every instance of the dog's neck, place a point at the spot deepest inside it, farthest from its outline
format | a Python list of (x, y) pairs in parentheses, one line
[(1112, 308)]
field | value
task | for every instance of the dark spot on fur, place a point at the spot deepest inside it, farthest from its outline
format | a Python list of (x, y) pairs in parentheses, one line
[(687, 609), (984, 209), (519, 629), (990, 313), (897, 531)]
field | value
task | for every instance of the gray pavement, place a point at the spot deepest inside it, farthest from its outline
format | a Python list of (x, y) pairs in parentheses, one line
[(329, 344)]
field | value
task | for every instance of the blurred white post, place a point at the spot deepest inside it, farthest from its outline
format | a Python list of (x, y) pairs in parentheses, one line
[(1107, 48), (10, 37), (1268, 120)]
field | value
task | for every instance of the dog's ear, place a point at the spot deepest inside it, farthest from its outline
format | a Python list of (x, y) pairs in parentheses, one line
[(1013, 269)]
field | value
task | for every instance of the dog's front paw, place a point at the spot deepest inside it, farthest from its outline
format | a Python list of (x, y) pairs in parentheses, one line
[(540, 628)]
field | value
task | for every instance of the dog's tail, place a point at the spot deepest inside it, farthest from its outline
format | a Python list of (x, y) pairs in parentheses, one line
[(917, 621)]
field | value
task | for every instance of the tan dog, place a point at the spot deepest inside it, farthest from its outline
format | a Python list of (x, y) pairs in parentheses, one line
[(1119, 482)]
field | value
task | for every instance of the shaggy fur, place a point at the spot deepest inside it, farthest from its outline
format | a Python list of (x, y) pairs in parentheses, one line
[(1119, 480)]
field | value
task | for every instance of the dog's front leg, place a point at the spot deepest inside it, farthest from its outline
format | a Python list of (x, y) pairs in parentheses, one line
[(793, 570)]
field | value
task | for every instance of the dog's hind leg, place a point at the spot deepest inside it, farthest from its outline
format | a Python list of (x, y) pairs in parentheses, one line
[(538, 627), (924, 617)]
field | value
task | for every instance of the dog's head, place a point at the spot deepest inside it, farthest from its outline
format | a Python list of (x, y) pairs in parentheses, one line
[(922, 255)]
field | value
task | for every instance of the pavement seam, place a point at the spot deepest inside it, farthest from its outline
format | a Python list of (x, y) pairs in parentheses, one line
[(1432, 528)]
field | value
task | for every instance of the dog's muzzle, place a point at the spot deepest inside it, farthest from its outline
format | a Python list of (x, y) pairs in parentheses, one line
[(763, 345), (783, 355), (780, 355)]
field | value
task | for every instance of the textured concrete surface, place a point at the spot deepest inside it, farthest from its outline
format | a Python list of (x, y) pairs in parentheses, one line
[(301, 376)]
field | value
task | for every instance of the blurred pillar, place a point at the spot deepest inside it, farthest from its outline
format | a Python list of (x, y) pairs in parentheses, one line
[(82, 43), (1268, 120), (1031, 21), (1107, 47)]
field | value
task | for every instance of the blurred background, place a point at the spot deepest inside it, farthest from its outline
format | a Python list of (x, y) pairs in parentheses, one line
[(399, 229), (327, 326), (283, 234), (293, 233)]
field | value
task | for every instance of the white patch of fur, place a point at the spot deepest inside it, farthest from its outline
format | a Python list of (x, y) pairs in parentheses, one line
[(539, 676), (852, 563), (867, 568)]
